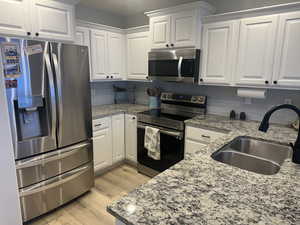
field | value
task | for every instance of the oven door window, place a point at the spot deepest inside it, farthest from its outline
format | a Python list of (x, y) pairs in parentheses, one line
[(162, 68), (172, 151)]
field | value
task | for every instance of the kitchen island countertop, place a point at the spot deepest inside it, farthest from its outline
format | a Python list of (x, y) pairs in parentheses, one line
[(200, 190)]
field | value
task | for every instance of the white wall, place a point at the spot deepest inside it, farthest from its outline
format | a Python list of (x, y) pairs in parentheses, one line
[(221, 100), (10, 212)]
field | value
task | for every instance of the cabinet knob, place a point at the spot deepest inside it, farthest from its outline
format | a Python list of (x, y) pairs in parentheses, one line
[(201, 79), (111, 77), (133, 118), (275, 82), (172, 45), (147, 77), (28, 33), (167, 45), (266, 82), (37, 34), (107, 77)]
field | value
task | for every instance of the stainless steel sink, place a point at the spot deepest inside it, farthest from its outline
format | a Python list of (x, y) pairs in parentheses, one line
[(254, 155)]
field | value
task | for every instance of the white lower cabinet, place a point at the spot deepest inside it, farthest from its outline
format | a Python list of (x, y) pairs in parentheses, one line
[(102, 143), (114, 138), (118, 131), (131, 138), (197, 138)]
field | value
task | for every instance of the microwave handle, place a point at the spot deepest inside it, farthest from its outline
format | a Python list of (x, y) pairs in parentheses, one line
[(179, 68)]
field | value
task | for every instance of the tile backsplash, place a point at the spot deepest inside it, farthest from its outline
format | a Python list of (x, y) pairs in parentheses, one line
[(221, 100)]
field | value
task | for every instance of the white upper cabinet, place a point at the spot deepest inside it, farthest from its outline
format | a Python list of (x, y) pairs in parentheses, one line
[(219, 47), (160, 31), (53, 20), (287, 64), (256, 50), (99, 54), (82, 36), (38, 19), (138, 46), (178, 26), (14, 17), (183, 30), (115, 55), (107, 55)]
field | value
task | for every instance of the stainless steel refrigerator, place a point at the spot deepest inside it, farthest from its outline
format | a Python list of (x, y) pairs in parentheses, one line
[(51, 123)]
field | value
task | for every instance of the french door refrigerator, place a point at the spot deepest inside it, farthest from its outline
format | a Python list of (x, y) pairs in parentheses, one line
[(51, 122)]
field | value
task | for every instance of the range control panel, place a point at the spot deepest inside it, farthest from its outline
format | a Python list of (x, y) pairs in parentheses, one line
[(167, 96)]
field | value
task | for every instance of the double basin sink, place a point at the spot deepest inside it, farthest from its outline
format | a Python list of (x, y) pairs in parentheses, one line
[(254, 155)]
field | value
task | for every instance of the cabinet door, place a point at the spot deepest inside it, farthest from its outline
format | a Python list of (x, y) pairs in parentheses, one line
[(115, 55), (53, 20), (14, 17), (138, 47), (103, 153), (218, 52), (287, 64), (118, 137), (160, 31), (183, 29), (193, 146), (99, 54), (131, 137), (256, 50), (82, 36)]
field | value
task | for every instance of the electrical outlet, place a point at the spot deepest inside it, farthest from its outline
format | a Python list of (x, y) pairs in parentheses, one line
[(288, 101)]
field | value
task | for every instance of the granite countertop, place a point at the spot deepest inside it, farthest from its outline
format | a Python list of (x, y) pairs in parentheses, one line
[(107, 110), (200, 190)]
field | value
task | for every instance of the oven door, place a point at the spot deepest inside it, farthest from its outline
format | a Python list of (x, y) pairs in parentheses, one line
[(176, 65), (171, 146)]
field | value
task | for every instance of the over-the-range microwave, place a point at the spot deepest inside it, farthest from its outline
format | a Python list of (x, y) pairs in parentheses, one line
[(178, 65)]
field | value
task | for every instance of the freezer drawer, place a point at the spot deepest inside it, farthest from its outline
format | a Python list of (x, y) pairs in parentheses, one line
[(43, 167), (50, 194)]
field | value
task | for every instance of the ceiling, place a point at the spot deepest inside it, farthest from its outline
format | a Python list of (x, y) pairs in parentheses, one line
[(132, 7)]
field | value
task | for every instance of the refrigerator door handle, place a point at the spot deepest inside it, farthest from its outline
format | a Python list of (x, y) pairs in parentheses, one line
[(52, 95), (59, 92)]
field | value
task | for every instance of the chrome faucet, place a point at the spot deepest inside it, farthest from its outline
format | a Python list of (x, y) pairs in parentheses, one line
[(264, 126)]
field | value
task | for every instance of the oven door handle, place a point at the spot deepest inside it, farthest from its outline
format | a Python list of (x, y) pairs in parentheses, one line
[(179, 68), (178, 135)]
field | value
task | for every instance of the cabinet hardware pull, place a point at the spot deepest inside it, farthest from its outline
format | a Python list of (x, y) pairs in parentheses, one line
[(267, 82), (37, 34), (28, 33), (205, 136), (98, 125), (167, 45), (275, 82)]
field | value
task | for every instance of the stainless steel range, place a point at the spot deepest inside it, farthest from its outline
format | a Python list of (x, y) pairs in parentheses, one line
[(175, 109)]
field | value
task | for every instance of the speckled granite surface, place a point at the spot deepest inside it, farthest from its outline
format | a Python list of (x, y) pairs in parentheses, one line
[(199, 190), (107, 110)]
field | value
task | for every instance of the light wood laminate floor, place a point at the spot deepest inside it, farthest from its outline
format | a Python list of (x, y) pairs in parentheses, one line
[(90, 209)]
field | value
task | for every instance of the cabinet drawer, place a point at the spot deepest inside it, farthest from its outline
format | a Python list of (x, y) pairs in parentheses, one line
[(40, 168), (102, 123), (42, 197), (202, 135)]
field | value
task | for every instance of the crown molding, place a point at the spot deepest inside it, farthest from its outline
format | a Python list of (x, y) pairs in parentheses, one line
[(263, 11), (72, 2), (130, 30), (189, 6), (91, 25)]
